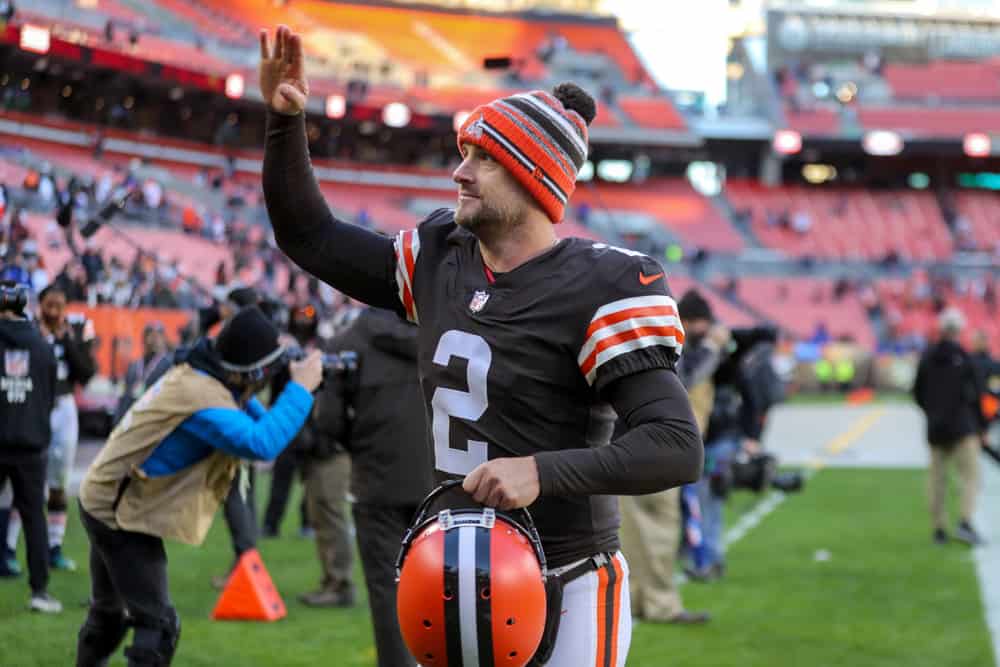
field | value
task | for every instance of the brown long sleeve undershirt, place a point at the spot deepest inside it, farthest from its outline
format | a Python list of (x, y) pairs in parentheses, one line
[(356, 261), (660, 449)]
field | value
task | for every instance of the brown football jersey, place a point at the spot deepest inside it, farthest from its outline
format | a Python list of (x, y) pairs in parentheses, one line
[(516, 365)]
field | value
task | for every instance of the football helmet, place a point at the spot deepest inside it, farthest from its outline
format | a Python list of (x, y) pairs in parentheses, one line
[(471, 586)]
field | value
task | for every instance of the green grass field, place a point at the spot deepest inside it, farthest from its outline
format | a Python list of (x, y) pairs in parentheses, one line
[(886, 596)]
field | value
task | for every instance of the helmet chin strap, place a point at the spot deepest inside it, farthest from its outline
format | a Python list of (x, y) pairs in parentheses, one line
[(484, 517)]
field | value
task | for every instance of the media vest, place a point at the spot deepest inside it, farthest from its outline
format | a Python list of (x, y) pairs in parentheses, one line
[(179, 506)]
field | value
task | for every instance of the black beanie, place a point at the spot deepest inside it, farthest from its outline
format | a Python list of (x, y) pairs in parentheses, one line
[(244, 296), (693, 306), (248, 341)]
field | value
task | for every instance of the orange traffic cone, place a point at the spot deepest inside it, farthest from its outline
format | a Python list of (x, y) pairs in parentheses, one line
[(249, 594)]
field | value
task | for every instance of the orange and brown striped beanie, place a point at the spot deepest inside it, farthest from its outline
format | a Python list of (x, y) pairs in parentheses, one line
[(541, 139)]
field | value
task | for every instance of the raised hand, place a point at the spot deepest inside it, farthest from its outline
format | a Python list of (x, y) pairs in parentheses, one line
[(282, 73)]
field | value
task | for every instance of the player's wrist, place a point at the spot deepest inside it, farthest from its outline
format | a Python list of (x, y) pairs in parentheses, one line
[(544, 465)]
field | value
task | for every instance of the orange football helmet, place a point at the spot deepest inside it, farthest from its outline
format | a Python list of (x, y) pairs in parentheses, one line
[(471, 587)]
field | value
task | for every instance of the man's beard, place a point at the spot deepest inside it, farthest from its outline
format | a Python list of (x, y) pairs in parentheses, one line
[(490, 221)]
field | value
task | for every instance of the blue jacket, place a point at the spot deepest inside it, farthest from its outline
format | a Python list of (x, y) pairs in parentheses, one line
[(251, 433)]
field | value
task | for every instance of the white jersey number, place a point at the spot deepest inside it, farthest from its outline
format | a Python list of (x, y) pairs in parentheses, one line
[(470, 405)]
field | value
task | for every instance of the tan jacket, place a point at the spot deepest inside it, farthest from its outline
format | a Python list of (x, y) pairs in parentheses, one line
[(702, 395), (179, 506)]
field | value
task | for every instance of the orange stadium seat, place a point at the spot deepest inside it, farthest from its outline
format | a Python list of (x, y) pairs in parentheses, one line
[(944, 80), (674, 203), (907, 317), (847, 223), (149, 46), (724, 311), (198, 257), (982, 210), (799, 305), (658, 113), (932, 122), (813, 121), (212, 23), (430, 39)]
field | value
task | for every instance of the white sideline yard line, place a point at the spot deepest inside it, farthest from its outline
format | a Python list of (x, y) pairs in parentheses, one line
[(833, 448), (988, 557)]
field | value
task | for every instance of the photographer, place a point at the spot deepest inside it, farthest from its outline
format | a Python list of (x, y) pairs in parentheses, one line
[(27, 394), (390, 458), (651, 524), (734, 427), (165, 470), (303, 324)]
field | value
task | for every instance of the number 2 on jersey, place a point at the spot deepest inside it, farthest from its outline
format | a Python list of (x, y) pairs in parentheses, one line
[(470, 405)]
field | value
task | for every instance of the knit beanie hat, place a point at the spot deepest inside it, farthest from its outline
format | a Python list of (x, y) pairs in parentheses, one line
[(248, 341), (243, 296), (693, 306), (538, 137)]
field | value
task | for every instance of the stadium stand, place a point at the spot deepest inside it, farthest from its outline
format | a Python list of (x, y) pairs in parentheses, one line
[(654, 112), (726, 312), (674, 204), (930, 121), (844, 223), (800, 305), (981, 212), (945, 80)]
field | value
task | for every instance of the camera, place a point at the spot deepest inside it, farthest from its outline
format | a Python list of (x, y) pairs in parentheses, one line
[(13, 298), (760, 471), (341, 364)]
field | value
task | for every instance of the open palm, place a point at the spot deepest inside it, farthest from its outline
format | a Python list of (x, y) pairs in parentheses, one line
[(282, 73)]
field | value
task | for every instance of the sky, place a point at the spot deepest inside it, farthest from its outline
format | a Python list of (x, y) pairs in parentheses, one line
[(682, 42)]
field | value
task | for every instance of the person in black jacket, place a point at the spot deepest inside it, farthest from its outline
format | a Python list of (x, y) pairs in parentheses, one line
[(27, 395), (986, 366), (303, 324), (390, 456), (948, 390), (142, 373), (734, 426), (71, 337)]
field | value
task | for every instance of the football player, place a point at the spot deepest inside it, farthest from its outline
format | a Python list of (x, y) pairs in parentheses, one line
[(524, 339), (72, 338)]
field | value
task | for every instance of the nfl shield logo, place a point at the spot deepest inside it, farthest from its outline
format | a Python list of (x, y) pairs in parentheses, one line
[(15, 363), (475, 130), (479, 300)]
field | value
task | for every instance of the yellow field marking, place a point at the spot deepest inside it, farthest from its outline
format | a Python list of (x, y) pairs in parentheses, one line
[(841, 443)]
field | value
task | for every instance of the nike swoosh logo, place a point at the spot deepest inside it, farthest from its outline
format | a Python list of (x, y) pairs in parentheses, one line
[(646, 280)]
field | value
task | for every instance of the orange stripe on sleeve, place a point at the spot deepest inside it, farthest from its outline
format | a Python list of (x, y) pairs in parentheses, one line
[(613, 318), (624, 336)]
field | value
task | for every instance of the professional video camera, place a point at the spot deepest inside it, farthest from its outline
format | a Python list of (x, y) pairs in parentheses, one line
[(13, 298), (758, 472), (991, 441), (341, 364)]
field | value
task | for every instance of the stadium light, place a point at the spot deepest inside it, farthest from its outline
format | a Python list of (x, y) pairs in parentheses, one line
[(787, 142), (977, 144), (234, 86), (615, 171), (818, 173), (458, 119), (882, 142), (35, 38), (396, 114), (336, 106)]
